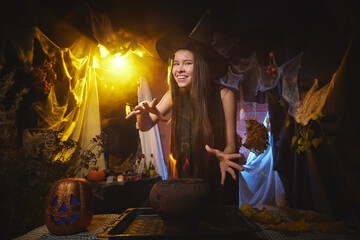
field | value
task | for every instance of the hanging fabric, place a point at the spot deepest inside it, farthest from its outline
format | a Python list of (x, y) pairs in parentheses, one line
[(259, 183), (150, 140), (313, 102), (71, 106)]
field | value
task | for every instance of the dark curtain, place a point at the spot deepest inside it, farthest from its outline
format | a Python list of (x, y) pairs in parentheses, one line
[(324, 179)]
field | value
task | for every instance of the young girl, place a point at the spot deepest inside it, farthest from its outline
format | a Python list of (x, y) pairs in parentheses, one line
[(203, 118)]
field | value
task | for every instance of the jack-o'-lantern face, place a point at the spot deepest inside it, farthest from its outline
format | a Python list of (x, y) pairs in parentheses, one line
[(67, 212), (69, 207)]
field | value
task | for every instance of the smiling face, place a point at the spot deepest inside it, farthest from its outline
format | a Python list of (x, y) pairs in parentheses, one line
[(183, 68)]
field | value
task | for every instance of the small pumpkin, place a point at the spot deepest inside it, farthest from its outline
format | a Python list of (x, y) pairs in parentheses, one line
[(96, 175), (69, 206)]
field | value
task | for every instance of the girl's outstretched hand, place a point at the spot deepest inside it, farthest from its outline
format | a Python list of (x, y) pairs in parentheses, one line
[(146, 106), (225, 163)]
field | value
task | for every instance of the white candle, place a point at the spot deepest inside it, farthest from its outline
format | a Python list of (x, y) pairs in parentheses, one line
[(120, 178)]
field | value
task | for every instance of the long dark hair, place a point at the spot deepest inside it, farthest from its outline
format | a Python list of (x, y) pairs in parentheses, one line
[(202, 131)]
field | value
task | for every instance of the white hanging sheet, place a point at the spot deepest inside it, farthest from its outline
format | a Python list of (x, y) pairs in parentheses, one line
[(259, 183), (150, 140)]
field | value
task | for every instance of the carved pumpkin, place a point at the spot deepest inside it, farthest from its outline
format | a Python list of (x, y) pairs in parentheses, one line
[(69, 206), (96, 175)]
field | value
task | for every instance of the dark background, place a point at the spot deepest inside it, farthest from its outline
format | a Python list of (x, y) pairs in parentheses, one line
[(285, 27), (260, 25)]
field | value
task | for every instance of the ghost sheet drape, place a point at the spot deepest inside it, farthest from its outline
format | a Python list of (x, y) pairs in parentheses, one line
[(150, 140), (259, 183)]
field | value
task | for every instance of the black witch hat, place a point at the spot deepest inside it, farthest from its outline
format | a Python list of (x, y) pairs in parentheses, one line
[(168, 45)]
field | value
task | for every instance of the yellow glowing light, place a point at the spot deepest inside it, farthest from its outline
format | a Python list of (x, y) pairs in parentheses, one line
[(138, 52), (118, 71), (103, 51), (119, 61), (127, 109)]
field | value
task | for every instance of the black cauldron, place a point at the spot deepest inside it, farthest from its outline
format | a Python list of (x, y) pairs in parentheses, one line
[(179, 202)]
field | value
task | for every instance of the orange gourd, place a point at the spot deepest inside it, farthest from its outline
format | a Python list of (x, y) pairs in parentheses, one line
[(96, 175)]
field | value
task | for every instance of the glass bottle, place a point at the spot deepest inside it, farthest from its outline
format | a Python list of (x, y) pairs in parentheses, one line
[(145, 169), (151, 166)]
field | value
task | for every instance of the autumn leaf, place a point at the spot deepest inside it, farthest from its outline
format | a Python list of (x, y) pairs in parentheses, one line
[(316, 116), (316, 141)]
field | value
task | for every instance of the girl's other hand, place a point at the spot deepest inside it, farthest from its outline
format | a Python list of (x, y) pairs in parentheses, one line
[(225, 164)]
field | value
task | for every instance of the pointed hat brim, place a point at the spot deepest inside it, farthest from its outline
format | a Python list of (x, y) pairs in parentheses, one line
[(168, 45)]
